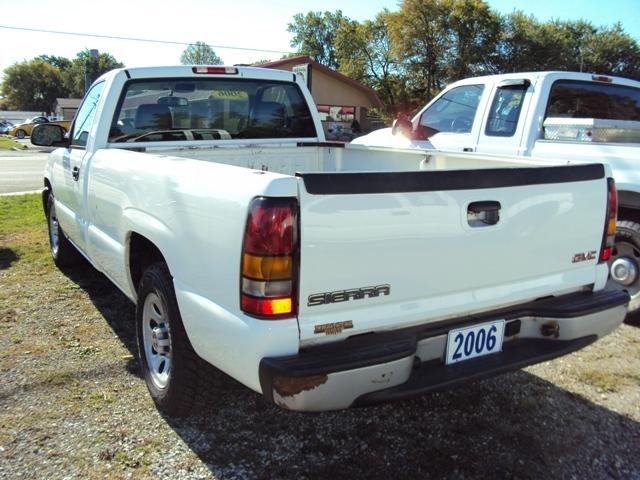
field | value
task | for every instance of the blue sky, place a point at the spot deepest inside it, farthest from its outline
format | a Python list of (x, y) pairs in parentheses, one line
[(242, 23)]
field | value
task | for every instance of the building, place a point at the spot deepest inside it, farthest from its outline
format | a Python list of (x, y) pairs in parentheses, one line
[(65, 108), (17, 117), (340, 99)]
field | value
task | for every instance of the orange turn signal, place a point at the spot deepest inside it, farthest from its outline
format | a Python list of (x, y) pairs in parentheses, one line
[(267, 268)]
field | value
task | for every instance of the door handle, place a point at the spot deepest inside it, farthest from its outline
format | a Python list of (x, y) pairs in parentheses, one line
[(468, 149), (75, 173), (480, 214)]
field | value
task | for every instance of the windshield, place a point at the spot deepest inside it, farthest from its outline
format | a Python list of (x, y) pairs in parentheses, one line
[(212, 109)]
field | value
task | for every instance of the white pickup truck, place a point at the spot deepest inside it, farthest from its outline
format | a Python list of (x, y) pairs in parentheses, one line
[(550, 116), (319, 275)]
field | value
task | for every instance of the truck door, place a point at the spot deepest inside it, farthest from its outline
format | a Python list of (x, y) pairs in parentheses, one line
[(75, 167), (452, 121), (503, 125)]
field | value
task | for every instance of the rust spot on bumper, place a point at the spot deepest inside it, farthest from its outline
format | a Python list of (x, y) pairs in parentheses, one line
[(290, 386)]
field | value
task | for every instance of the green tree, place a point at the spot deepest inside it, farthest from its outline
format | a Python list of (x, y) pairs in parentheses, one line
[(366, 54), (611, 51), (199, 53), (85, 67), (314, 33), (32, 85), (473, 30), (61, 63), (526, 44), (444, 40)]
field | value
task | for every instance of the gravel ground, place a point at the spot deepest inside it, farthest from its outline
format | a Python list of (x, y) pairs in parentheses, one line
[(72, 405)]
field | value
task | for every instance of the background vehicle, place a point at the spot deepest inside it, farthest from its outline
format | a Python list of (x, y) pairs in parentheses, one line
[(576, 117), (5, 127), (321, 275), (23, 130)]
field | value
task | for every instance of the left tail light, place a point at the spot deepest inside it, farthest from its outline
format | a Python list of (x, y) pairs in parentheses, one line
[(268, 282), (609, 236)]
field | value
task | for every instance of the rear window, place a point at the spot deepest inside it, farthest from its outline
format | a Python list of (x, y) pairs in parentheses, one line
[(575, 99), (212, 109)]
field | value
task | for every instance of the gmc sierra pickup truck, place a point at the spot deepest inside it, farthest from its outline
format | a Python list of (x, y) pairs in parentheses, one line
[(322, 276), (575, 117)]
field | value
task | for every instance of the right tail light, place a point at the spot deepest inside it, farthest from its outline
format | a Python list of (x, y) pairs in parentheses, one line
[(269, 258), (609, 236)]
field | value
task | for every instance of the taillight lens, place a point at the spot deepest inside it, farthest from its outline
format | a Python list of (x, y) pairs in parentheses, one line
[(609, 236), (269, 252)]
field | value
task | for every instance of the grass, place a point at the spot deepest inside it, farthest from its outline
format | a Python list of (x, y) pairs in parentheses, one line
[(23, 233), (7, 143), (607, 380), (20, 212)]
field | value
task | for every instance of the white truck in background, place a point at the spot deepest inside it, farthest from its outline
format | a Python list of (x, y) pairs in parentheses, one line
[(320, 275), (574, 117)]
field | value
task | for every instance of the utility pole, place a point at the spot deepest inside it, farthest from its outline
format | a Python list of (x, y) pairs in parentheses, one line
[(93, 54)]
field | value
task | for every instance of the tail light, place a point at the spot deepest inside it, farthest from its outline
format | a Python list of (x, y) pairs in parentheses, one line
[(609, 236), (269, 258)]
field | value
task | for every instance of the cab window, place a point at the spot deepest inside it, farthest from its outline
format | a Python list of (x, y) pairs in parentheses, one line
[(210, 109), (579, 99), (505, 110), (84, 117), (454, 111)]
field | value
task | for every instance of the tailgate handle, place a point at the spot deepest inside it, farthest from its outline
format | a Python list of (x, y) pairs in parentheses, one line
[(75, 173), (482, 214)]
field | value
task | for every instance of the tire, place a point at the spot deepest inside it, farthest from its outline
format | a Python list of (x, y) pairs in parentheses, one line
[(64, 254), (627, 247), (21, 134), (175, 376)]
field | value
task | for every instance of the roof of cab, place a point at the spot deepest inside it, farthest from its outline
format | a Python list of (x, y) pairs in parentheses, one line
[(187, 71)]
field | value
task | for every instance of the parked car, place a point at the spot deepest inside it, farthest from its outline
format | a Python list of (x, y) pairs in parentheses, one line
[(321, 275), (577, 117), (23, 130), (5, 127)]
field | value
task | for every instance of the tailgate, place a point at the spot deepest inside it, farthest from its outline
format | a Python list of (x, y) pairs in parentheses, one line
[(381, 251)]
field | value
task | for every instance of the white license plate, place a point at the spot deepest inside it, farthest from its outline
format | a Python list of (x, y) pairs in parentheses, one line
[(471, 342)]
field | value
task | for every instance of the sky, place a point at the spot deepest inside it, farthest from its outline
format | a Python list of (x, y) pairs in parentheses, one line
[(249, 24)]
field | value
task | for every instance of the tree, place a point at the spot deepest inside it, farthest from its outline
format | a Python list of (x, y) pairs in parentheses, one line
[(61, 63), (441, 41), (85, 67), (314, 33), (473, 30), (200, 53), (526, 44), (365, 53), (611, 51), (32, 85)]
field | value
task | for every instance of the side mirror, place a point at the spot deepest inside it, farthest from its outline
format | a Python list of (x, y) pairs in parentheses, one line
[(49, 135), (402, 126)]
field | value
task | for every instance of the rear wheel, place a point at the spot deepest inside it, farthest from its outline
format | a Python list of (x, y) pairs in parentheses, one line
[(62, 251), (175, 376), (21, 134), (624, 265)]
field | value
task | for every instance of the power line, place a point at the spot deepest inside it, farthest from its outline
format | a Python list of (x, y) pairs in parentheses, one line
[(133, 39)]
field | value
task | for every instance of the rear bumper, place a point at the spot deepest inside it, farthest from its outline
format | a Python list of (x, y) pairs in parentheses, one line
[(393, 365)]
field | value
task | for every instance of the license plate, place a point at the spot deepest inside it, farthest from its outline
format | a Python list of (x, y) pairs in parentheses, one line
[(471, 342)]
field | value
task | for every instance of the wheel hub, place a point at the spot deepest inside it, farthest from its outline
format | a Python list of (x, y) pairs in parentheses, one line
[(160, 340), (624, 271)]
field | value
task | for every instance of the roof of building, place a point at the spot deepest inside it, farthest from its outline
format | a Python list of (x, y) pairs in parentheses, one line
[(68, 102), (370, 92)]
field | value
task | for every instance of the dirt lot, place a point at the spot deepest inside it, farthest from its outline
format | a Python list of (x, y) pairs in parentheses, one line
[(72, 404)]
